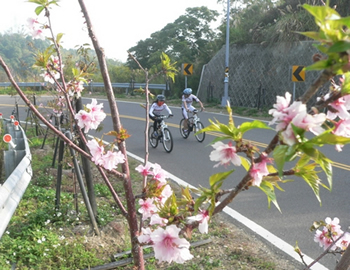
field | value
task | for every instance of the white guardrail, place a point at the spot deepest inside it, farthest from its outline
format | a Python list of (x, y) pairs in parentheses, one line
[(18, 171)]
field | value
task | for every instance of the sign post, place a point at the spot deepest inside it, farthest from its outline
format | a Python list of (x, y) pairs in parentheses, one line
[(298, 75), (187, 70)]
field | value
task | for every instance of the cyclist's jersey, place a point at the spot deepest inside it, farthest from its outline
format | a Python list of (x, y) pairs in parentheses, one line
[(156, 110), (189, 100)]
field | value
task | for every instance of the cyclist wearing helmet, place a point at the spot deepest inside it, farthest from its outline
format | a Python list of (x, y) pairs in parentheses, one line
[(187, 100), (156, 108)]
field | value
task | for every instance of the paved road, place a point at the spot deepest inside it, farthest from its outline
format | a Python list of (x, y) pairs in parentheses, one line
[(189, 161)]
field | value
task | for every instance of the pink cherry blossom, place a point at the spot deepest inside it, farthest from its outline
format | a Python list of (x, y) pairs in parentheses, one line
[(342, 128), (75, 87), (93, 106), (96, 118), (158, 173), (32, 22), (157, 220), (202, 218), (50, 76), (281, 105), (92, 119), (168, 246), (259, 170), (166, 193), (144, 170), (96, 151), (145, 237), (84, 120), (344, 241), (112, 159), (147, 208), (341, 106), (305, 121), (329, 234), (224, 153)]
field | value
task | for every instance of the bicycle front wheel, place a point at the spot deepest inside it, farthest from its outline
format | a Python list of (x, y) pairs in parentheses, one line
[(183, 134), (153, 141), (198, 127), (167, 140)]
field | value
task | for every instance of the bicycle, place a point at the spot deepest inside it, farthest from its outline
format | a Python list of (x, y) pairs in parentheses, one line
[(163, 135), (195, 125)]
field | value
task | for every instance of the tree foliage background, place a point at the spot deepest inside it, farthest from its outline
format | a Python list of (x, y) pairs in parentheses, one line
[(189, 39)]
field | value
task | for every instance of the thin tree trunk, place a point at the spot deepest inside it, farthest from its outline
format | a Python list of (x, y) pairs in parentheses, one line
[(130, 198), (344, 263)]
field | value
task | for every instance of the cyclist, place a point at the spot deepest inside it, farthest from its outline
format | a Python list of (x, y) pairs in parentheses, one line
[(187, 100), (156, 108)]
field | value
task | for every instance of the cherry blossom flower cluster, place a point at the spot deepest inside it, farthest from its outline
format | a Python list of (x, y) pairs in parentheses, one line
[(91, 117), (52, 70), (109, 160), (331, 236), (35, 28), (227, 153), (75, 88), (286, 115), (165, 239)]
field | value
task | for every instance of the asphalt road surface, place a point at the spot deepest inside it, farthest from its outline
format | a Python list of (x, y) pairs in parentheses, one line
[(190, 162)]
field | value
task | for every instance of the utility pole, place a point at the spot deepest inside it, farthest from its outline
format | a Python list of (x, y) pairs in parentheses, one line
[(226, 98)]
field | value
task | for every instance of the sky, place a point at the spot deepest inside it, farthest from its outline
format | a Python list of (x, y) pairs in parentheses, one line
[(119, 24)]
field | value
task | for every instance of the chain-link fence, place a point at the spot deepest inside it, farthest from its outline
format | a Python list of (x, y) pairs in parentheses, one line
[(258, 73)]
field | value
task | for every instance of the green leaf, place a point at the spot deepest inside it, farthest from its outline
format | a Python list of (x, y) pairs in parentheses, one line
[(58, 37), (217, 179), (279, 154), (199, 202), (340, 46), (312, 35), (345, 21), (222, 138), (246, 126), (269, 190), (245, 163), (309, 175), (346, 84), (39, 9), (319, 65), (327, 138)]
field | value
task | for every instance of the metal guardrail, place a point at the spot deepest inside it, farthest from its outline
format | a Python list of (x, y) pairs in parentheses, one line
[(93, 84), (18, 170)]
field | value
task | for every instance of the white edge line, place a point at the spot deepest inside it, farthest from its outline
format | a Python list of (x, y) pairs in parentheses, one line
[(268, 236)]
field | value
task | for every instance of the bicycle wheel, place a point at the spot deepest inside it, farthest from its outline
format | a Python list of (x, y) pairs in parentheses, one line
[(153, 141), (183, 134), (198, 127), (167, 140)]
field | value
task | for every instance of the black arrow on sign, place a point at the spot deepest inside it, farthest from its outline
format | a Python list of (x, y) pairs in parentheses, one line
[(296, 74), (186, 69)]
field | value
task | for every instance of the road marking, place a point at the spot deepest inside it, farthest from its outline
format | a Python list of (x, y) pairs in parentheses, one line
[(217, 134), (268, 236)]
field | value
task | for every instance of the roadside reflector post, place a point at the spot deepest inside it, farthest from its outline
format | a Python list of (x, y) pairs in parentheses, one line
[(12, 117), (0, 115), (8, 139), (16, 124)]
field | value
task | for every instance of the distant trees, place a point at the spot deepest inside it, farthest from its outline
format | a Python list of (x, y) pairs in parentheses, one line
[(189, 39), (17, 50)]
